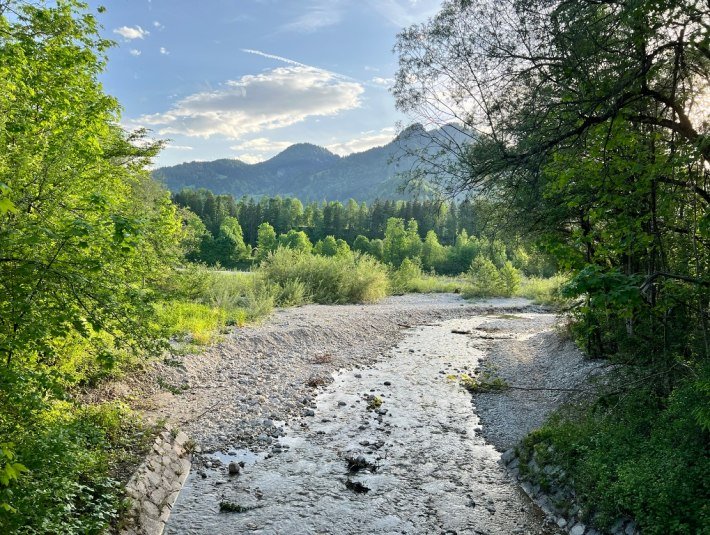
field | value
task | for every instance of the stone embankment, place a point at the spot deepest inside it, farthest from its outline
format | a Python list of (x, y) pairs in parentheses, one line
[(548, 487), (155, 486)]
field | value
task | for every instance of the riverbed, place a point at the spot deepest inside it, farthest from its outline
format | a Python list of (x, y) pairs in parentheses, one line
[(394, 445)]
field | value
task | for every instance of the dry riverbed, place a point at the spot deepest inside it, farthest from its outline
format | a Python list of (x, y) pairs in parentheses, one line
[(351, 419)]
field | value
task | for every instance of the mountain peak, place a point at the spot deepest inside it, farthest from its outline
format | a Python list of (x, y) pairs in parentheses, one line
[(304, 151)]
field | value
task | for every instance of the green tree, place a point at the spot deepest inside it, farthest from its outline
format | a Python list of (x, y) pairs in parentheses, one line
[(396, 242), (296, 240), (266, 241), (485, 279), (85, 239), (433, 253), (510, 279), (229, 247)]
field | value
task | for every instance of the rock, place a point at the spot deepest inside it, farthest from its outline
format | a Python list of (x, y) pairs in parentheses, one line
[(630, 528), (234, 468), (387, 383), (578, 529), (561, 522), (310, 412), (341, 404), (617, 527), (508, 456)]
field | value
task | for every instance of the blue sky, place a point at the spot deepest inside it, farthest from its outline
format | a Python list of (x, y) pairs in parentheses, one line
[(246, 78)]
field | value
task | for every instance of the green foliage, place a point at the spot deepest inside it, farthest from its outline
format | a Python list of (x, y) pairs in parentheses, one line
[(510, 279), (635, 454), (348, 278), (296, 240), (484, 279), (601, 156), (484, 383), (69, 452), (200, 302), (542, 291), (402, 277), (86, 237), (266, 241)]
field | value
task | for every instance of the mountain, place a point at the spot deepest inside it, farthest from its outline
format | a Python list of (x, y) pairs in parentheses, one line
[(310, 172)]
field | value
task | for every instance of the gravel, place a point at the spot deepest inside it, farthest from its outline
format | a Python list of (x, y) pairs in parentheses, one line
[(222, 396)]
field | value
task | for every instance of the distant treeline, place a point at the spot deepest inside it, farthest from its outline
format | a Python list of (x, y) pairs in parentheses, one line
[(342, 220), (441, 236)]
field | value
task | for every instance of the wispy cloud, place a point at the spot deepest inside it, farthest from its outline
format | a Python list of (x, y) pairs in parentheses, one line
[(178, 147), (134, 52), (382, 82), (318, 14), (402, 13), (365, 141), (274, 56), (253, 103), (131, 32), (289, 61), (158, 25), (164, 51)]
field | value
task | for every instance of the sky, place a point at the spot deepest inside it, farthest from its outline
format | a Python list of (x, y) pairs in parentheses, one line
[(247, 78)]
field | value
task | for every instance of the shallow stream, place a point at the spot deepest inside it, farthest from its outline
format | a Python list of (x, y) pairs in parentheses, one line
[(392, 448)]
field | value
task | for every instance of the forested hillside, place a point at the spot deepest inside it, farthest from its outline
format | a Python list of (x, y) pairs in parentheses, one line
[(309, 172)]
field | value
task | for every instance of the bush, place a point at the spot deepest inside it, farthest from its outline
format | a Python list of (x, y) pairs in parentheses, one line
[(510, 279), (74, 457), (347, 278), (403, 277), (634, 454), (484, 279)]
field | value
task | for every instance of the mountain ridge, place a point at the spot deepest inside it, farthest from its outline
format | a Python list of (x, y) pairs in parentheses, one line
[(308, 172)]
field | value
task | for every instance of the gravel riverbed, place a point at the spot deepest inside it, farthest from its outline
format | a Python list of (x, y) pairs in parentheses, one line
[(271, 396)]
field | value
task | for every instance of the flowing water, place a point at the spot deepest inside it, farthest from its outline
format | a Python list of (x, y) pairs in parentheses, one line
[(415, 463)]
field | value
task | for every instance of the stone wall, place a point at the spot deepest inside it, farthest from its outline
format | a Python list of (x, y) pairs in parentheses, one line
[(558, 499), (154, 487)]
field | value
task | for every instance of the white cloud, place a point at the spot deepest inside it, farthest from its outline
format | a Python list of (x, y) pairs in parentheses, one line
[(134, 52), (274, 99), (178, 147), (262, 145), (129, 33), (164, 51), (366, 141), (250, 158), (157, 25), (383, 82), (319, 14)]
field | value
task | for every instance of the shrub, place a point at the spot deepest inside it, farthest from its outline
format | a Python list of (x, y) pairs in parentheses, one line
[(484, 279), (510, 279), (346, 278), (403, 277), (634, 454)]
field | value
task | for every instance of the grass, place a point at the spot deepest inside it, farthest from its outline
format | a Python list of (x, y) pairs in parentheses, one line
[(409, 278), (200, 303), (542, 291)]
